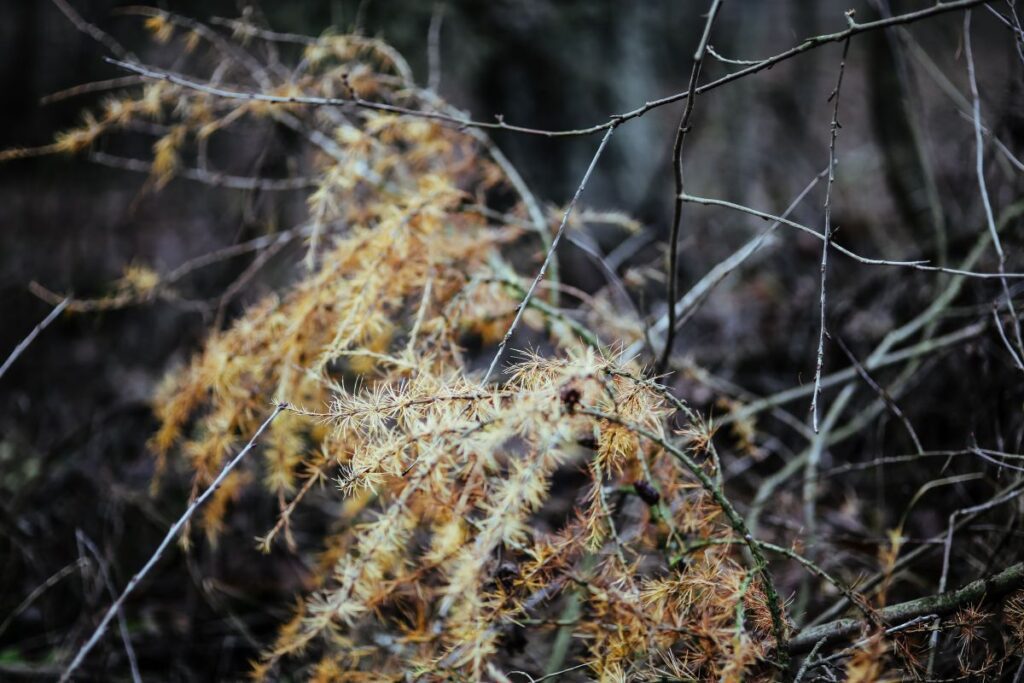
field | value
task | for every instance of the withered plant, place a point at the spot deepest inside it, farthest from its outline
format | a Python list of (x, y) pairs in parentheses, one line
[(484, 507), (433, 563)]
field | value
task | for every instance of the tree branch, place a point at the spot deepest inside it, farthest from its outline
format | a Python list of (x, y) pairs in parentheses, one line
[(988, 588), (172, 533), (614, 120)]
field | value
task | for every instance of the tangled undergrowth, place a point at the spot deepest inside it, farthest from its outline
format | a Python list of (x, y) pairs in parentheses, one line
[(449, 550), (443, 559)]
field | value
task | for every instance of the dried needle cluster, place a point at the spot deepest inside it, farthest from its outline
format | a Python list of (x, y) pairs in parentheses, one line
[(449, 557)]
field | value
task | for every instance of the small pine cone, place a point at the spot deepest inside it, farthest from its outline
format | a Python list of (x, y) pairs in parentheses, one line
[(647, 493)]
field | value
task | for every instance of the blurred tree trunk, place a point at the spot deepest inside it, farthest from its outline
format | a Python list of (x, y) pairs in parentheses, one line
[(897, 120)]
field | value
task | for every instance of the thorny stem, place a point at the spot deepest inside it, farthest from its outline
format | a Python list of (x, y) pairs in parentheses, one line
[(677, 171), (172, 533)]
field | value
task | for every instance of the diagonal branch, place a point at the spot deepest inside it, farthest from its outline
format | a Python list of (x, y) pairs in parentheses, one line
[(172, 533), (547, 258), (20, 348), (677, 172), (988, 588)]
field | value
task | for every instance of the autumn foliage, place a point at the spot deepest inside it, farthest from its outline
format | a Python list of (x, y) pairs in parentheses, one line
[(573, 509)]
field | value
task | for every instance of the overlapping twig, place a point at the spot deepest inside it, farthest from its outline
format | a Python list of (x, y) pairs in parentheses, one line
[(172, 533)]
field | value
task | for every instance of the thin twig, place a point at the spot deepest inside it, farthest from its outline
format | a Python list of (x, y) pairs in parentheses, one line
[(122, 624), (915, 265), (94, 32), (614, 120), (843, 376), (95, 86), (726, 60), (979, 159), (547, 258), (434, 47), (827, 233), (933, 640), (806, 563), (1006, 340), (898, 628), (905, 560), (265, 542), (163, 289), (172, 533), (20, 348), (916, 457), (807, 662), (882, 393), (677, 172), (732, 516), (946, 86), (54, 579), (355, 100), (207, 177), (882, 351), (699, 292), (553, 674)]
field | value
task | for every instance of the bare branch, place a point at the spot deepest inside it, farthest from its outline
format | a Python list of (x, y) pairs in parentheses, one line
[(199, 175), (915, 265), (122, 624), (677, 172), (547, 258), (20, 348), (614, 120), (172, 533), (979, 158), (94, 32), (827, 233)]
